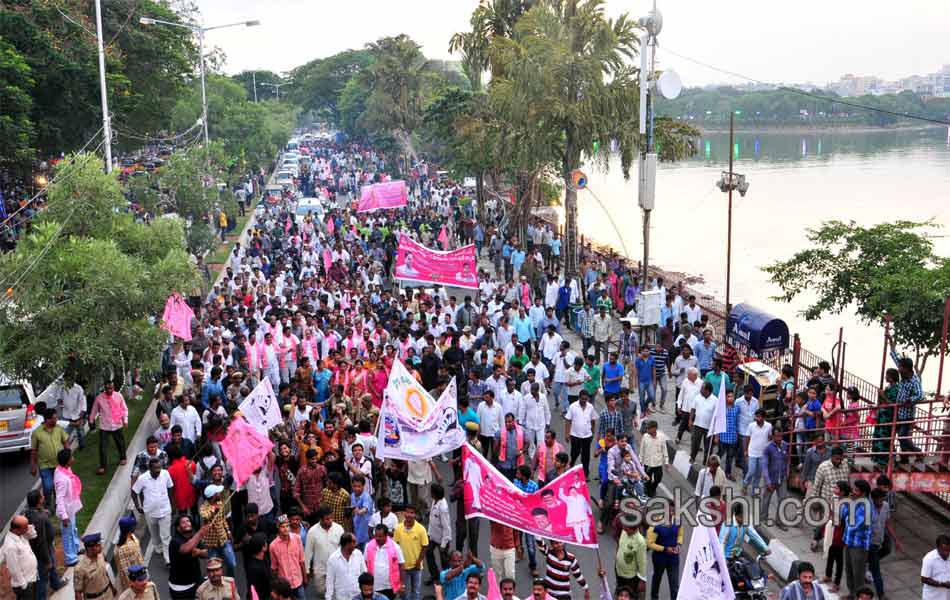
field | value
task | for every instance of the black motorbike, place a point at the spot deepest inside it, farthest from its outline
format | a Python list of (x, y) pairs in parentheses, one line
[(749, 579)]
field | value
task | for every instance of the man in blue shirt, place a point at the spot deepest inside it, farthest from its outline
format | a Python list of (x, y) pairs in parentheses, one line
[(453, 578), (555, 244), (645, 368), (705, 351), (517, 259), (612, 375), (212, 387), (857, 534)]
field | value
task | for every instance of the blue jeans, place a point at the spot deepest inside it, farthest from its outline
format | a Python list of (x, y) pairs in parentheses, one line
[(413, 583), (46, 476), (70, 543), (560, 394), (754, 473), (47, 578), (647, 393), (529, 545), (80, 434), (225, 553)]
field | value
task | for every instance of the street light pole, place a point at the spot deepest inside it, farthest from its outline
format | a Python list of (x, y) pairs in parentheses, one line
[(277, 87), (204, 95), (729, 181), (646, 190), (103, 96), (254, 83), (200, 32)]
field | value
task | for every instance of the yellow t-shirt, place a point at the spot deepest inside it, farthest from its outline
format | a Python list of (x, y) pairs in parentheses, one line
[(411, 542)]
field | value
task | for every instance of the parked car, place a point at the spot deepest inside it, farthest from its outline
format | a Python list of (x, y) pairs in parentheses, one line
[(18, 418)]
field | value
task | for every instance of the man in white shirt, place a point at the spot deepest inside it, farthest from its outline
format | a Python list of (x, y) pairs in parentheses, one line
[(151, 494), (536, 416), (185, 415), (491, 419), (19, 558), (550, 345), (759, 434), (575, 378), (343, 570), (579, 428), (693, 311), (72, 406), (511, 400), (561, 364), (700, 420), (935, 571), (323, 539), (685, 400)]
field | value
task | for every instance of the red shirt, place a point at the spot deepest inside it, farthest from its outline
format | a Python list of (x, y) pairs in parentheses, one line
[(181, 472)]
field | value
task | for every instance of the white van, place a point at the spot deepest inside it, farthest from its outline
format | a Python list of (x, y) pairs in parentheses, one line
[(18, 418)]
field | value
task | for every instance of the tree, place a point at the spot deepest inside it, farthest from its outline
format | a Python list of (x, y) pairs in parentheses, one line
[(16, 127), (566, 73), (319, 84), (249, 78), (82, 289), (887, 269)]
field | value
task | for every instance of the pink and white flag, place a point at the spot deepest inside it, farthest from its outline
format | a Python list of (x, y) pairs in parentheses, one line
[(245, 448), (415, 262), (177, 317), (560, 510), (381, 196)]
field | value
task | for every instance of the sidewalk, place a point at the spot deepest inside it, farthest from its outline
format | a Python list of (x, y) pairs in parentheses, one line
[(915, 525)]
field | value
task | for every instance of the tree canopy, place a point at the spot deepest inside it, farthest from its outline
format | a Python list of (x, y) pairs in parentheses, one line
[(82, 287), (883, 271)]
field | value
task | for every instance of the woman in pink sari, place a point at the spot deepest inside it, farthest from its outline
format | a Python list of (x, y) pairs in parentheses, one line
[(359, 380)]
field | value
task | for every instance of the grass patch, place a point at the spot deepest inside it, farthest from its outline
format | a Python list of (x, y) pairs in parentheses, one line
[(222, 251), (87, 461)]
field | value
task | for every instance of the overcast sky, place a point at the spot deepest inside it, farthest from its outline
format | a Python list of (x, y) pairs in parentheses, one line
[(790, 42)]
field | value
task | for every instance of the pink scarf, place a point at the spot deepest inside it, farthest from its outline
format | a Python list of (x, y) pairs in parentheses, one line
[(75, 481)]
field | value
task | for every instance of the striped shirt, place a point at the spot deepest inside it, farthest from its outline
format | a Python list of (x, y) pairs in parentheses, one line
[(557, 577), (661, 358)]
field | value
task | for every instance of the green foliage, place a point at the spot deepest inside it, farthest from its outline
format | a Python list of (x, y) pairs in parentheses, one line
[(86, 280), (16, 128), (248, 78), (319, 84), (146, 69), (249, 130), (888, 268), (785, 107)]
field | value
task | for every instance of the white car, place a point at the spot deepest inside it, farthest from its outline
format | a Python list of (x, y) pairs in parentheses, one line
[(18, 418), (284, 177), (307, 206)]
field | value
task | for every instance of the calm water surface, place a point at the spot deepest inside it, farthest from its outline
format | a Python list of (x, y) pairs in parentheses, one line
[(797, 180)]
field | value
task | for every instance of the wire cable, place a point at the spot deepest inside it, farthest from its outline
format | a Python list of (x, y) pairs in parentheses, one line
[(813, 96), (75, 22), (42, 253), (58, 177)]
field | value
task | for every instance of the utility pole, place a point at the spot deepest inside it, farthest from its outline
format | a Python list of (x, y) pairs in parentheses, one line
[(729, 181), (254, 83), (204, 95), (646, 190), (103, 95)]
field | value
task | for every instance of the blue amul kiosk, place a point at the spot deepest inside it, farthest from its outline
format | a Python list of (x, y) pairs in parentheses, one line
[(756, 333)]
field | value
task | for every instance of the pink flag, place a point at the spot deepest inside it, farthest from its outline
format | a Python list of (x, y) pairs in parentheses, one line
[(559, 511), (331, 226), (177, 317), (245, 448), (493, 592), (415, 262), (254, 595), (288, 224), (444, 238), (327, 260)]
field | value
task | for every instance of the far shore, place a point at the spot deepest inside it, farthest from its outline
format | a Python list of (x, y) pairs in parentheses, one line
[(804, 128)]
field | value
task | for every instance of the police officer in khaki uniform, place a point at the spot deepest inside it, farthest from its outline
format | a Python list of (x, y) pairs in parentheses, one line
[(217, 586), (91, 578), (140, 588)]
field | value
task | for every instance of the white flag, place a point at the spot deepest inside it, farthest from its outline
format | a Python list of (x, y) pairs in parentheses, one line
[(718, 424), (261, 407), (705, 573)]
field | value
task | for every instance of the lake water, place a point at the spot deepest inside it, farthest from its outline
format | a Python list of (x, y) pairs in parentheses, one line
[(796, 181)]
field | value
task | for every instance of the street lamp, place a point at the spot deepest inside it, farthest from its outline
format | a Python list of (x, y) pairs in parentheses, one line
[(200, 32), (277, 87), (729, 181)]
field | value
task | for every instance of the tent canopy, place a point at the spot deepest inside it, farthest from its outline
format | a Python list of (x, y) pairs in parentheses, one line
[(756, 330)]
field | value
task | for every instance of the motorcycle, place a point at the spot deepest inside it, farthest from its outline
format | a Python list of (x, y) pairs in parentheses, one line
[(749, 580)]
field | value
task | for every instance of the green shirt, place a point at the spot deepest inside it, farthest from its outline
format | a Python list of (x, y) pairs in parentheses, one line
[(632, 556), (48, 444), (593, 384)]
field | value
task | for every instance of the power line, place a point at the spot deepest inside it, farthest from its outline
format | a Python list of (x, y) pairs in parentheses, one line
[(59, 177), (74, 22), (43, 252), (836, 100)]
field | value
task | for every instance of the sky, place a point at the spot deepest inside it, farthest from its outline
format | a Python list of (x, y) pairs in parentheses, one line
[(783, 42)]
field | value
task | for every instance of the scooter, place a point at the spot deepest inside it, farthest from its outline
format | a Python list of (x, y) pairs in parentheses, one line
[(749, 579)]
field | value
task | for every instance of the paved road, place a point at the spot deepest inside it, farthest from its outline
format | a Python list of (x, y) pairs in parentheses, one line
[(586, 556), (17, 481)]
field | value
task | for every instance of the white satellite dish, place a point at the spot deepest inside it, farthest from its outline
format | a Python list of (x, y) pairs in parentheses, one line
[(669, 84)]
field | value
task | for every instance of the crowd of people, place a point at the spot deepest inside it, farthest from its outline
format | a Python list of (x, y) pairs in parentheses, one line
[(309, 303)]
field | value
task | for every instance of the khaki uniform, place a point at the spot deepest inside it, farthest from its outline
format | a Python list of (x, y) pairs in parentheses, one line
[(91, 579), (226, 591), (150, 593)]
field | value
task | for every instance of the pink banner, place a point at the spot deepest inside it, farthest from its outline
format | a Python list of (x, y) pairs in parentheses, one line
[(443, 238), (391, 194), (559, 511), (415, 262), (177, 317), (245, 448)]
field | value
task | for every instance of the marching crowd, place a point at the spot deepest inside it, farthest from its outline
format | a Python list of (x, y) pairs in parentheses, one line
[(308, 303)]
